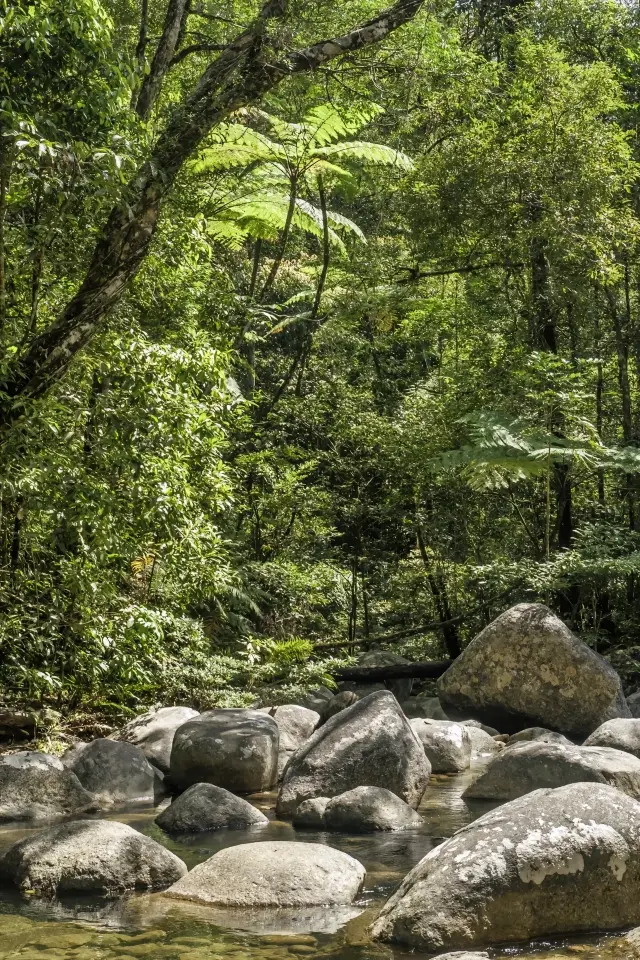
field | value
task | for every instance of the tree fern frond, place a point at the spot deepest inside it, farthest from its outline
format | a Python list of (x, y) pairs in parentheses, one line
[(365, 152), (325, 123)]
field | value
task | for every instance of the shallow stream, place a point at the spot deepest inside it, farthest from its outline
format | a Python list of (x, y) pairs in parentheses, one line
[(149, 926)]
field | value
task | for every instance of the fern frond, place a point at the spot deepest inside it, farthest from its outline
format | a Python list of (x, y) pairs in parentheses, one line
[(326, 124), (369, 153)]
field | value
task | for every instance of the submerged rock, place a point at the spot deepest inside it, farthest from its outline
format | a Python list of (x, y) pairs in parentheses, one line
[(235, 749), (446, 744), (368, 744), (273, 874), (207, 807), (552, 862), (38, 790), (89, 856), (153, 732), (527, 669), (619, 734), (523, 767), (367, 809), (117, 773)]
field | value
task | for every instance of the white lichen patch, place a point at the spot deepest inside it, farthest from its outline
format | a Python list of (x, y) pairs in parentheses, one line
[(561, 850)]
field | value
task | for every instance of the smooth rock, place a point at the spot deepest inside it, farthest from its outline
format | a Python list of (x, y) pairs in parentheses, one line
[(367, 809), (446, 744), (316, 699), (89, 855), (22, 759), (550, 863), (619, 734), (310, 813), (369, 744), (481, 726), (482, 742), (527, 669), (36, 790), (273, 874), (537, 733), (235, 749), (154, 731), (295, 726), (115, 772), (340, 702), (524, 767), (207, 807), (428, 708), (633, 702)]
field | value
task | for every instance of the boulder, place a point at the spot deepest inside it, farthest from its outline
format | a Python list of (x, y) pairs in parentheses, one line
[(310, 813), (482, 742), (537, 733), (273, 874), (619, 734), (38, 790), (235, 749), (117, 773), (368, 744), (153, 732), (427, 708), (295, 726), (524, 767), (102, 856), (481, 726), (386, 658), (340, 702), (527, 669), (633, 702), (550, 863), (367, 809), (22, 759), (207, 807), (316, 699), (446, 744)]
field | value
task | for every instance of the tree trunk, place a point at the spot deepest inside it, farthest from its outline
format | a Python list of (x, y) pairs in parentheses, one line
[(171, 32), (396, 671), (438, 590), (238, 77)]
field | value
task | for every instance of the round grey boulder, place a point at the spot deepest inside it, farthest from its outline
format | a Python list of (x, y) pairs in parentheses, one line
[(367, 809), (482, 742), (550, 863), (310, 813), (368, 744), (446, 744), (619, 734), (153, 732), (207, 807), (523, 767), (537, 733), (235, 749), (295, 726), (38, 790), (273, 874), (527, 669), (89, 856), (116, 773)]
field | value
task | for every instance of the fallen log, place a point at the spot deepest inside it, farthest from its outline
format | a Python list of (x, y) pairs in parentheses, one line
[(394, 671)]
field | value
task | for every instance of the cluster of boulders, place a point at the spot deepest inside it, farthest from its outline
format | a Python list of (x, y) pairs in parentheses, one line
[(559, 749)]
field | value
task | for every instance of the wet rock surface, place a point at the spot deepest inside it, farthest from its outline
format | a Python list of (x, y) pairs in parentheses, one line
[(527, 669), (369, 744)]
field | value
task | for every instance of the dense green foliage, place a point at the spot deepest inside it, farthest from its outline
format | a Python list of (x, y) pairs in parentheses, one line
[(380, 366)]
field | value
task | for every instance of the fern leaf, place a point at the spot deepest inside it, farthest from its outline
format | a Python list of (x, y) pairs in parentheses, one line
[(376, 154)]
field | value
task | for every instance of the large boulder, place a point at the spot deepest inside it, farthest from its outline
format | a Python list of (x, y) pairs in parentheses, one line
[(367, 809), (446, 744), (387, 658), (523, 767), (102, 856), (338, 703), (482, 742), (316, 699), (33, 788), (153, 732), (368, 744), (207, 807), (273, 874), (22, 759), (235, 749), (538, 733), (295, 726), (117, 773), (428, 708), (552, 862), (527, 669), (619, 734), (310, 813)]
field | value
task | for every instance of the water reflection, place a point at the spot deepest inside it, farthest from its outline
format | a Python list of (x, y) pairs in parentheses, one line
[(149, 925)]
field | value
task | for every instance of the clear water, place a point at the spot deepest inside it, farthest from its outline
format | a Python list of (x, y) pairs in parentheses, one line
[(151, 927)]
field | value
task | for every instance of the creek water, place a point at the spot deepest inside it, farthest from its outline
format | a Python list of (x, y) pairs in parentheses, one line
[(153, 927)]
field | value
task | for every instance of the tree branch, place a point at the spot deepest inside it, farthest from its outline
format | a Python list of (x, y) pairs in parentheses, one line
[(152, 83), (195, 48)]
